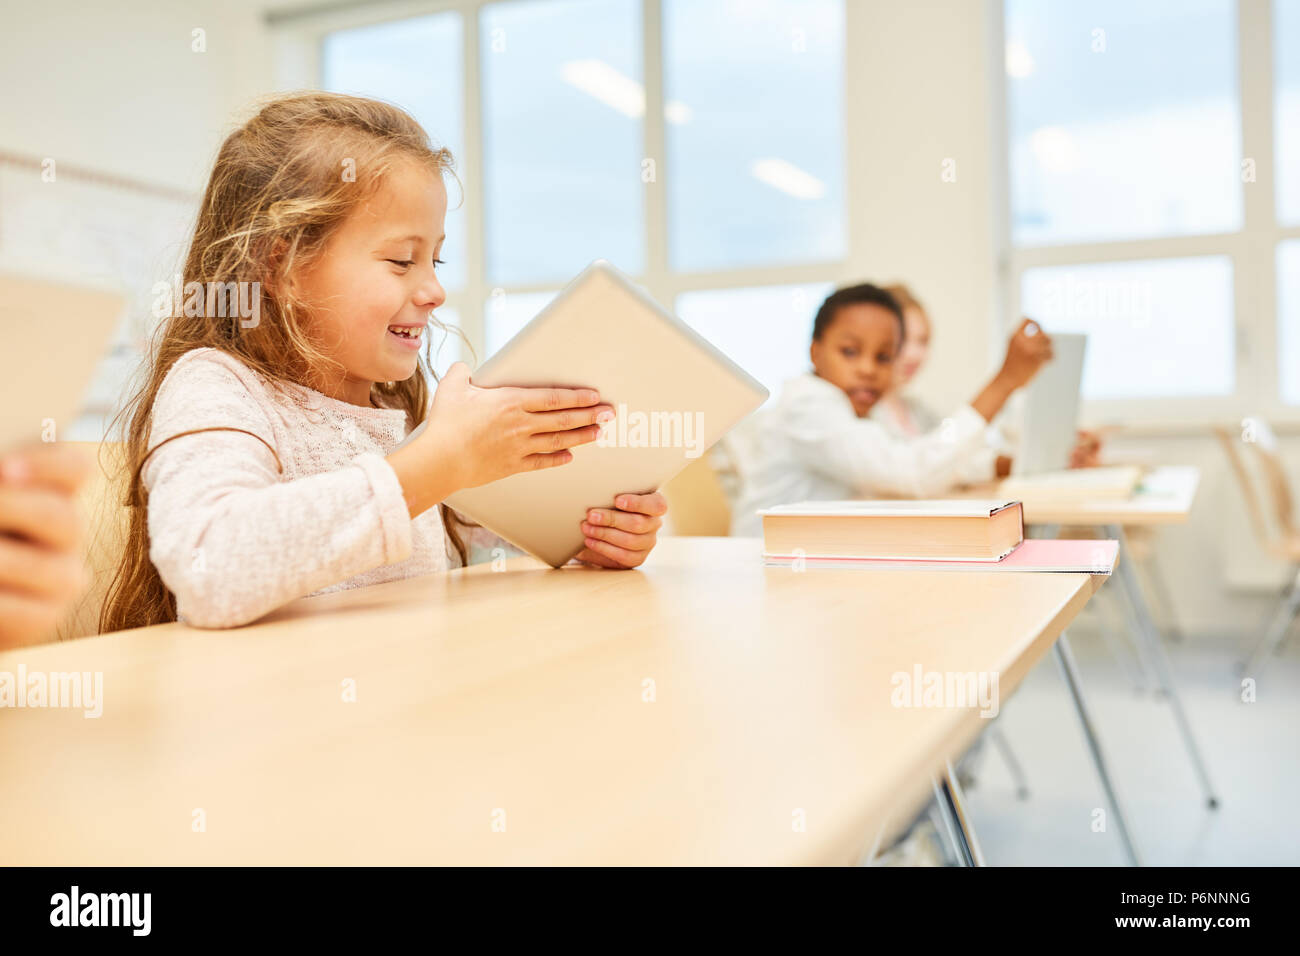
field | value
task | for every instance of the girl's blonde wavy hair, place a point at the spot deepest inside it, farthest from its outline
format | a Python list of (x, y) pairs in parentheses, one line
[(279, 188)]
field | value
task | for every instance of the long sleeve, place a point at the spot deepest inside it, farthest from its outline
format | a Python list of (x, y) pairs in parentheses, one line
[(907, 417), (229, 536), (831, 440), (981, 466)]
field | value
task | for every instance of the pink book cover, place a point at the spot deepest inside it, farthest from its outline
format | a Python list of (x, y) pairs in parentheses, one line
[(1062, 555)]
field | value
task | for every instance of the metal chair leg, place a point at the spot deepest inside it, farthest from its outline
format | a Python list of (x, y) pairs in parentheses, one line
[(1009, 758), (1070, 673), (1278, 629)]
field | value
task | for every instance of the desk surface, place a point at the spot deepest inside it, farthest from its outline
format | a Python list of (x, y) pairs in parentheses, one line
[(522, 691), (1165, 496)]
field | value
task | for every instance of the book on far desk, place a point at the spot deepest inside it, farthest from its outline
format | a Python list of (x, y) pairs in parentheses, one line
[(1061, 555), (952, 531), (1112, 483)]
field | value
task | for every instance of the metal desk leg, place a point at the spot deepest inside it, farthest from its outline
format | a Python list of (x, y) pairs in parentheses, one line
[(1144, 666), (1065, 658), (1147, 637), (1160, 589), (1136, 623), (1115, 635), (951, 802)]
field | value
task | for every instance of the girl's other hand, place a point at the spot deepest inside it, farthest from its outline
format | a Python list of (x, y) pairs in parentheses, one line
[(623, 536), (1087, 450), (41, 568)]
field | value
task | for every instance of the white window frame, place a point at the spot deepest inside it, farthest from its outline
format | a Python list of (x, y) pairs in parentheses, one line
[(297, 39), (1252, 251)]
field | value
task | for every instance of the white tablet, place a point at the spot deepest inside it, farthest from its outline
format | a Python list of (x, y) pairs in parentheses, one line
[(1051, 408), (55, 336), (673, 395)]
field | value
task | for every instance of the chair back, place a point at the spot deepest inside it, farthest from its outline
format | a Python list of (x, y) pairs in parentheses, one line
[(1256, 461), (102, 502)]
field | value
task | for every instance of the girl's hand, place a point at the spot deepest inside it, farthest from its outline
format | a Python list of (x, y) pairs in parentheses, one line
[(1029, 348), (1087, 450), (622, 537), (476, 435), (41, 568)]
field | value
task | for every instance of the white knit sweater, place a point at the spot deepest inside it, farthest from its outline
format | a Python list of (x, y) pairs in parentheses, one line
[(235, 534)]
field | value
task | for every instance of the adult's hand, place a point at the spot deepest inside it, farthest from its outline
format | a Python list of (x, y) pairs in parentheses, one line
[(42, 570)]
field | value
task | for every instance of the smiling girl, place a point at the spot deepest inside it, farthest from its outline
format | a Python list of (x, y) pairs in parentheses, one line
[(265, 460)]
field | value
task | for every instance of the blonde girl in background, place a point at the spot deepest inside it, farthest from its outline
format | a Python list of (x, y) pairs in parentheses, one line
[(264, 455), (906, 416)]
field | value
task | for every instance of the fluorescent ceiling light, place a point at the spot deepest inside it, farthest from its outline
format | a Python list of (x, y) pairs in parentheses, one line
[(616, 90), (1019, 63), (677, 113), (1055, 149), (788, 178)]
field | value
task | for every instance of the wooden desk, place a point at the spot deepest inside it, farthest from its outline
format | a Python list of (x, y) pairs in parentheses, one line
[(1165, 496), (522, 691)]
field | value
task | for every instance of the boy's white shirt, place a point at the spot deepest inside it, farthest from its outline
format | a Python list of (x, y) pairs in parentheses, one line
[(980, 467), (812, 446)]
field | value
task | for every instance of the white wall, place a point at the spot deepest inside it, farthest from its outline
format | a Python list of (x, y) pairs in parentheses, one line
[(919, 94), (115, 87)]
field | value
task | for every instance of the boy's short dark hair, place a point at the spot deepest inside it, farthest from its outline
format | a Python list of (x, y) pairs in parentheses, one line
[(864, 294)]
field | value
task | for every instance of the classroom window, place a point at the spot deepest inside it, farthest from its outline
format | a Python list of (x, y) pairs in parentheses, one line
[(745, 188), (447, 348), (766, 330), (508, 312), (753, 106), (1288, 310), (1123, 119), (1128, 178), (562, 106), (1286, 109), (415, 64), (1156, 328)]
